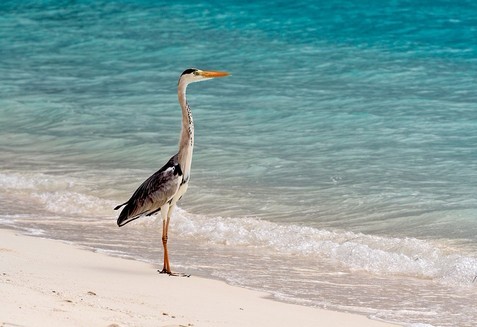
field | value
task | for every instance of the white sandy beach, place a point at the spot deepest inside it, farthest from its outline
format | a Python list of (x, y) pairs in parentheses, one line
[(50, 283)]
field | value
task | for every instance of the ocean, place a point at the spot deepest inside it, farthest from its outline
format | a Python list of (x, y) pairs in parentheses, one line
[(336, 167)]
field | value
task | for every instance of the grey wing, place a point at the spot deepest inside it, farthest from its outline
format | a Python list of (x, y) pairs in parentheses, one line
[(153, 193)]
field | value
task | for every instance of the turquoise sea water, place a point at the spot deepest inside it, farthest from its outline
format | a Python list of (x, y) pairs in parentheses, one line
[(336, 167)]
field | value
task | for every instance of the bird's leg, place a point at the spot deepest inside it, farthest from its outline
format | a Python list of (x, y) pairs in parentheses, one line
[(166, 268)]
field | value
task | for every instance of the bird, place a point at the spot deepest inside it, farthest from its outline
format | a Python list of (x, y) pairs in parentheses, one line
[(161, 191)]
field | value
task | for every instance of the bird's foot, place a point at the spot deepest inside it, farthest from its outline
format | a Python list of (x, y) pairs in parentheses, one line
[(170, 273)]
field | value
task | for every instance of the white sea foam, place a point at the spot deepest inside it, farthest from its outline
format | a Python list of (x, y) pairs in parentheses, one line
[(34, 231), (375, 254), (73, 203), (31, 181), (7, 220), (55, 194)]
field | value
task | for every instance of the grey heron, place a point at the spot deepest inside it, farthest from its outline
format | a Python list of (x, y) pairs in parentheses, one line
[(161, 191)]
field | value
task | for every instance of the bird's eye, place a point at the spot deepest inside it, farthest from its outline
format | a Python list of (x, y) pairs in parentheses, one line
[(196, 73)]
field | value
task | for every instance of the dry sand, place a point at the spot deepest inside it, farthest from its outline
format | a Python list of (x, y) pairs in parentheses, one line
[(51, 283)]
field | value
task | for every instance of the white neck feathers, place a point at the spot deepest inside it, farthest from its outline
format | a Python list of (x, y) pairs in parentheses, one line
[(186, 142)]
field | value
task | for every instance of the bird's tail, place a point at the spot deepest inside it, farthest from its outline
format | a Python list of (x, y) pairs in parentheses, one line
[(119, 206), (126, 214)]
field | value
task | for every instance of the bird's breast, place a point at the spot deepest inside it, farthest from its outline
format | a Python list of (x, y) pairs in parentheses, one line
[(180, 192)]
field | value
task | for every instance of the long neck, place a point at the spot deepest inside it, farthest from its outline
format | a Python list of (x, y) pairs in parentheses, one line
[(186, 143)]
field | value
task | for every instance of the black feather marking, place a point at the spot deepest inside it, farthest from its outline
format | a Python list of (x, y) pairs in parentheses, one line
[(119, 206), (177, 170), (122, 223), (189, 71), (151, 213), (184, 180)]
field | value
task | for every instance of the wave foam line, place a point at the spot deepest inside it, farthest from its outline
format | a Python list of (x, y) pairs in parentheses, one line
[(55, 194), (375, 254)]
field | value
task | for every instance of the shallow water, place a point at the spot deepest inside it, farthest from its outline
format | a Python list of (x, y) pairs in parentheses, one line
[(334, 168)]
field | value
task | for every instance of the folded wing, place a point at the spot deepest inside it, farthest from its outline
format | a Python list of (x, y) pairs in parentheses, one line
[(153, 193)]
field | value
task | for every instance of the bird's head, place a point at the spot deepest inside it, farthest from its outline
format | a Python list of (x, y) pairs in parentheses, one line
[(193, 75)]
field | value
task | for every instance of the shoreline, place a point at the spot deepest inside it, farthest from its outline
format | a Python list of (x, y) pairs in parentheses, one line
[(48, 282)]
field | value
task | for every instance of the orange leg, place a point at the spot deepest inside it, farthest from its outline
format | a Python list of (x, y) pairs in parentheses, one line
[(167, 267)]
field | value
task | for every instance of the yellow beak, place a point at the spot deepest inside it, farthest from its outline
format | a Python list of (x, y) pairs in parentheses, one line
[(212, 74)]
